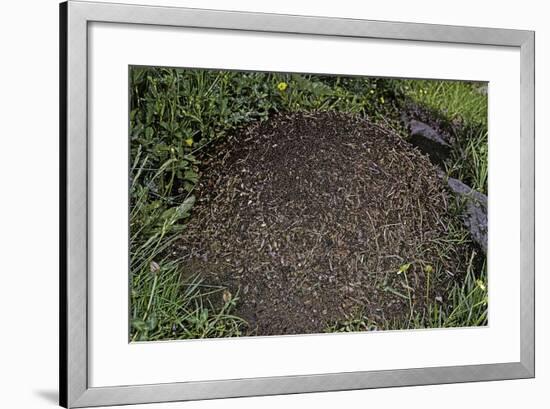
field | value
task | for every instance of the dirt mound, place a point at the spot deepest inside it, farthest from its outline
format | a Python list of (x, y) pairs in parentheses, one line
[(312, 218)]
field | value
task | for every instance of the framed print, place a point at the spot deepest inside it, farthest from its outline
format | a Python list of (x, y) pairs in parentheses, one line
[(258, 204)]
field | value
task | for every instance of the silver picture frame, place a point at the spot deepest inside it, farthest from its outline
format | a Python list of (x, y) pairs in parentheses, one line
[(75, 16)]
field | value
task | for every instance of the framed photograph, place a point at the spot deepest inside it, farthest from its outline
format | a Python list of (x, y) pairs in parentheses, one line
[(259, 204)]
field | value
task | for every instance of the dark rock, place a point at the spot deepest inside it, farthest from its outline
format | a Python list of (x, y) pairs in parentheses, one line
[(483, 89), (429, 141), (475, 212), (434, 138)]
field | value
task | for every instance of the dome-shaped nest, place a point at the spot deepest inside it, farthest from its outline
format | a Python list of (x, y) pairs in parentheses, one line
[(313, 218)]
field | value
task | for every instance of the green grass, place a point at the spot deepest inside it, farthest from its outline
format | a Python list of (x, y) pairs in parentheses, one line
[(467, 297), (175, 113), (456, 100), (467, 307), (463, 105), (167, 303)]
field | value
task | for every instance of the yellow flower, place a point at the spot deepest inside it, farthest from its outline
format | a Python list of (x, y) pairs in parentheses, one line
[(404, 268), (189, 141), (382, 99), (481, 285), (282, 86)]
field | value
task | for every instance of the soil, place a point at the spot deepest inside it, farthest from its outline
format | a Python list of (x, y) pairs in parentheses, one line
[(308, 218)]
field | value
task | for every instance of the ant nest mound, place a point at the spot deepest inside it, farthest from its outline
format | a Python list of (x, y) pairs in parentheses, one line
[(313, 218)]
